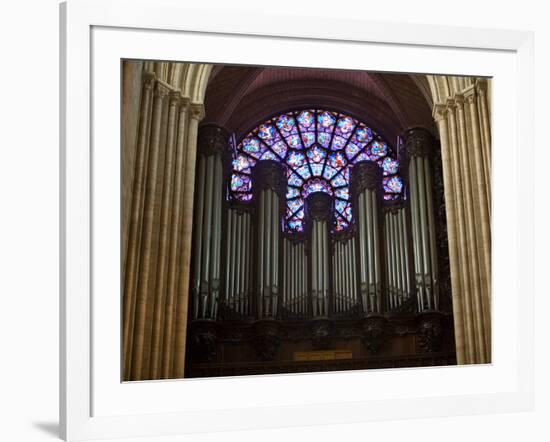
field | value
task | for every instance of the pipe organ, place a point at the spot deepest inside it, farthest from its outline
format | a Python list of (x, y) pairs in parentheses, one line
[(205, 286), (247, 267), (418, 146)]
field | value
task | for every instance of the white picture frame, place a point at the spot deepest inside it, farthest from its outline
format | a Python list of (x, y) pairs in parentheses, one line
[(94, 404)]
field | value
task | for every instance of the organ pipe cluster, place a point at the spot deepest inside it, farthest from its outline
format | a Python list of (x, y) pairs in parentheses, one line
[(238, 252), (267, 253), (345, 277), (397, 257), (208, 224), (367, 179), (419, 148), (295, 292)]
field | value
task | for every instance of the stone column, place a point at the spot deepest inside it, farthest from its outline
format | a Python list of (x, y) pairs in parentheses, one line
[(196, 114), (366, 190), (465, 145)]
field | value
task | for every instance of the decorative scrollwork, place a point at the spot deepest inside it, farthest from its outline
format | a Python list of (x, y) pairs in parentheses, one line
[(418, 142), (366, 175), (319, 206), (269, 174), (212, 139), (430, 332), (203, 340), (267, 339), (321, 331), (374, 333)]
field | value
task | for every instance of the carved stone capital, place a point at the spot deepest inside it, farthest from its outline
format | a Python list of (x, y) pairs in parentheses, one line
[(366, 175), (439, 112), (319, 206), (212, 139), (470, 94), (196, 111), (148, 79), (269, 174), (161, 91), (418, 142), (481, 86)]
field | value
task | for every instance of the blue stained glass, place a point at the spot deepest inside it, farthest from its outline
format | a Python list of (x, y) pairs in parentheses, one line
[(323, 139), (296, 224), (343, 193), (389, 165), (363, 134), (316, 185), (338, 142), (243, 196), (393, 184), (305, 119), (279, 148), (317, 169), (266, 132), (347, 212), (294, 141), (328, 158), (294, 205), (292, 192), (326, 120), (240, 183), (309, 138), (341, 224), (294, 180), (337, 160), (391, 196), (351, 150), (346, 125), (340, 205), (285, 123), (378, 148), (251, 145), (363, 156), (339, 180), (268, 155), (316, 154), (242, 162), (329, 172), (296, 159), (304, 172)]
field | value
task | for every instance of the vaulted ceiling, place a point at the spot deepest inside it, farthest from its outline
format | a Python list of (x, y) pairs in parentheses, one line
[(240, 97)]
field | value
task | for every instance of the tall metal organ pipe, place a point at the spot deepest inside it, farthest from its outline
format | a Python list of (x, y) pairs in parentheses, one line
[(269, 187), (318, 213), (366, 187), (419, 150), (205, 286)]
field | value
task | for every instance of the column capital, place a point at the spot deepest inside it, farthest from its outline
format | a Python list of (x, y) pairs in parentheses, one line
[(450, 105), (148, 79), (459, 101), (212, 139), (161, 90), (439, 112), (196, 111), (470, 94), (481, 86), (184, 103), (418, 141)]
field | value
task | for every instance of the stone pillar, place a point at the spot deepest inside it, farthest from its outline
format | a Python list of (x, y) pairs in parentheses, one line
[(269, 186), (464, 124), (419, 150), (366, 190)]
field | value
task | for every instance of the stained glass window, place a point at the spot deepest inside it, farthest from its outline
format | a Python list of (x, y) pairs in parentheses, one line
[(319, 148)]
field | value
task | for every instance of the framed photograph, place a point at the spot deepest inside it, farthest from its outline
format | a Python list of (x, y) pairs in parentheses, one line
[(326, 221)]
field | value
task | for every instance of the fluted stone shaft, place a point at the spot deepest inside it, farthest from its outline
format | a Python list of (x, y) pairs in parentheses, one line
[(419, 148), (464, 127), (157, 247)]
